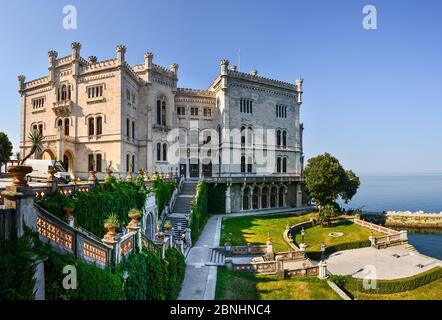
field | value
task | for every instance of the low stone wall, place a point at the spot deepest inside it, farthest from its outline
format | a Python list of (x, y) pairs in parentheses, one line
[(248, 250), (295, 228), (413, 220)]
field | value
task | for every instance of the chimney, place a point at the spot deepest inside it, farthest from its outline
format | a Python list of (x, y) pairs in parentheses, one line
[(76, 47), (121, 51), (254, 72), (224, 66)]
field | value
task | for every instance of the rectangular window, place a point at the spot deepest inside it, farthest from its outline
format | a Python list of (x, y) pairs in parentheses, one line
[(91, 162), (246, 106), (38, 103), (281, 111), (194, 111), (99, 161), (95, 92), (133, 129), (207, 112), (181, 111)]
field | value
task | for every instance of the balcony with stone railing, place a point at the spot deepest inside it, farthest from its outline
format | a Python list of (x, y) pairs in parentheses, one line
[(63, 108)]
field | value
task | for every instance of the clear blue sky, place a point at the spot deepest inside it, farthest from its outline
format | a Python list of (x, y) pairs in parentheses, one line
[(372, 98)]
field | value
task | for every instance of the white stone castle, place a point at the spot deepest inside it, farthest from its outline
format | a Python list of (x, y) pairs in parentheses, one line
[(243, 131)]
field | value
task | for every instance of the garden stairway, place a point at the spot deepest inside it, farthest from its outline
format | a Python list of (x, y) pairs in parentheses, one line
[(179, 216), (217, 257)]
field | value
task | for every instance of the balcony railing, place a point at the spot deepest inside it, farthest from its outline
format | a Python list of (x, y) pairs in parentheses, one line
[(62, 108)]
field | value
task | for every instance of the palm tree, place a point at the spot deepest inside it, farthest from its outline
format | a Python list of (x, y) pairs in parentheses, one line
[(36, 139)]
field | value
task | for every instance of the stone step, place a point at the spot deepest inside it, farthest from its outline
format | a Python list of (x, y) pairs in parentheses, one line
[(215, 258)]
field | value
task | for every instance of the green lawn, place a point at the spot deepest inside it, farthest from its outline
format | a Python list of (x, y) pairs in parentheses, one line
[(431, 291), (316, 235), (239, 286), (255, 229)]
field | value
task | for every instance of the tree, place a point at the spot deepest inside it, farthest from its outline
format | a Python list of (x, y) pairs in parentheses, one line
[(326, 214), (36, 139), (351, 185), (5, 149), (326, 180)]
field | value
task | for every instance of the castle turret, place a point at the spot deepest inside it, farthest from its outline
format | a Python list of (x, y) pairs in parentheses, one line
[(121, 53), (76, 47), (52, 56), (224, 69), (148, 58), (299, 91), (21, 82), (92, 59), (174, 68)]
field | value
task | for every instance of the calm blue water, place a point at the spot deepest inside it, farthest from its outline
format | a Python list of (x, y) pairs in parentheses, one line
[(404, 192)]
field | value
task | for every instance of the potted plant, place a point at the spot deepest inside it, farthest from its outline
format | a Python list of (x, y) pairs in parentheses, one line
[(167, 225), (160, 235), (20, 171), (111, 224)]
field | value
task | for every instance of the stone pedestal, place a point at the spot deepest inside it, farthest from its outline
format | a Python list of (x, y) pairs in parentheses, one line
[(322, 270), (372, 240), (302, 247), (404, 236), (228, 200)]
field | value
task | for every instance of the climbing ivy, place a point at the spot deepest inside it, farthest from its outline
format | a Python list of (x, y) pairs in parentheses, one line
[(217, 196), (163, 192), (200, 214)]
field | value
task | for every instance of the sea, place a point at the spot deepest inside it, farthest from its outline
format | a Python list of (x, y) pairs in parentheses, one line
[(404, 192)]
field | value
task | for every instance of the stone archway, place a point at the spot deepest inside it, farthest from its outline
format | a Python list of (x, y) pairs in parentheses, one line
[(68, 161), (150, 226), (47, 154)]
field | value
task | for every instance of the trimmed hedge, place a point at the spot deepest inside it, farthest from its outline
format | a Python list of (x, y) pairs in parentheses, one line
[(351, 284), (93, 283), (316, 255), (176, 269), (217, 196), (93, 208), (200, 214), (163, 192)]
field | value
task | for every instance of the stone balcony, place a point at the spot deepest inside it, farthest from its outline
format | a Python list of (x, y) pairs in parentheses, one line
[(62, 108)]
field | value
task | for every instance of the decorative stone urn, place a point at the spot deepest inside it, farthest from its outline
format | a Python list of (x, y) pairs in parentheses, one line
[(109, 237), (19, 173), (108, 174), (92, 176), (51, 176), (69, 217), (134, 216), (160, 236)]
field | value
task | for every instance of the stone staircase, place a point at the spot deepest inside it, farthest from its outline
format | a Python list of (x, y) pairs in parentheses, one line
[(217, 257), (410, 248), (181, 209)]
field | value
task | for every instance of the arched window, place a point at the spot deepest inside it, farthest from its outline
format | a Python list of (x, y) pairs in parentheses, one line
[(40, 129), (243, 164), (278, 138), (159, 112), (278, 165), (281, 197), (243, 136), (128, 127), (284, 165), (34, 128), (219, 133), (255, 198), (91, 126), (250, 164), (284, 139), (99, 125), (99, 162), (273, 194), (264, 197), (127, 163), (133, 129), (245, 199), (133, 164), (64, 93), (91, 162), (69, 92), (165, 152), (59, 123), (163, 113), (249, 136), (158, 151), (66, 127)]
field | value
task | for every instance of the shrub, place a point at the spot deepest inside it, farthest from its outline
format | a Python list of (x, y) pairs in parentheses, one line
[(176, 269), (17, 267), (200, 214), (163, 192), (55, 202), (390, 286), (93, 283)]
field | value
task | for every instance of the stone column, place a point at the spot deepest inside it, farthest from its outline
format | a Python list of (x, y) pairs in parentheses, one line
[(228, 200), (404, 236)]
